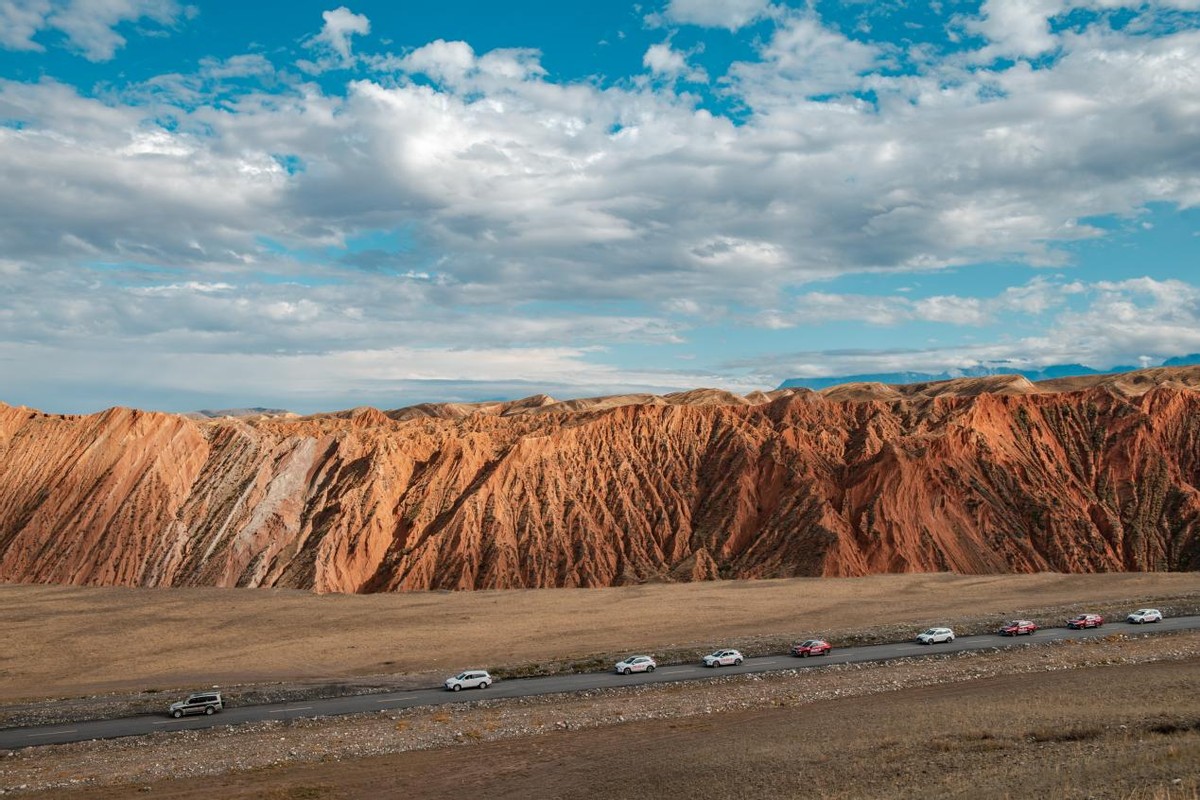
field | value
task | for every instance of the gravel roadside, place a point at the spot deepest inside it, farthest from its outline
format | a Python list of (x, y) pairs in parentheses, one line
[(134, 761)]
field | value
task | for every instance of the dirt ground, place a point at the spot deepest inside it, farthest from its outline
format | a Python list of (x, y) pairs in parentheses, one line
[(1117, 717), (72, 641)]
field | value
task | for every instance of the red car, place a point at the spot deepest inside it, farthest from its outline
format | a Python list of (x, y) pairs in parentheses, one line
[(812, 647), (1085, 621), (1018, 627)]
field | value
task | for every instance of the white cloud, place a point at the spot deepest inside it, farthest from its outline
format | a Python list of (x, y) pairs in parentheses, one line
[(1017, 27), (731, 14), (20, 20), (521, 186), (803, 58), (341, 25), (1033, 299), (662, 59), (194, 215), (90, 25), (449, 62), (1108, 324), (666, 62)]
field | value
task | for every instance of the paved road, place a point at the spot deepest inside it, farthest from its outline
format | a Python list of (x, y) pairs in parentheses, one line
[(12, 738)]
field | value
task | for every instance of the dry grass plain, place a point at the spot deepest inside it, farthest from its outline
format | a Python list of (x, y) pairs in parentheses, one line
[(73, 641), (1129, 731)]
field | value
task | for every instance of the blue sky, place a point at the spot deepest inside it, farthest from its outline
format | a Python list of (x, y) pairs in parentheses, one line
[(316, 206)]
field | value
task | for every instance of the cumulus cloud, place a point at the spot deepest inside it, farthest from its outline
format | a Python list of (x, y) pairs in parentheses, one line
[(341, 25), (803, 58), (20, 20), (90, 24), (229, 217), (1102, 324), (730, 14), (666, 62), (1017, 27)]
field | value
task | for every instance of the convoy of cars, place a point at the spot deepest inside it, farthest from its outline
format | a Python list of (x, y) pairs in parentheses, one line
[(210, 702)]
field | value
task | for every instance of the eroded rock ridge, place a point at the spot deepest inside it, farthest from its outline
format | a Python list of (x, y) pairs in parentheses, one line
[(978, 476)]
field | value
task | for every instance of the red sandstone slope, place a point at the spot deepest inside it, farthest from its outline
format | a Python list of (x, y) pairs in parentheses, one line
[(999, 476)]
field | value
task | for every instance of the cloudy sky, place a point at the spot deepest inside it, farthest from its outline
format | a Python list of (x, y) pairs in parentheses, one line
[(314, 206)]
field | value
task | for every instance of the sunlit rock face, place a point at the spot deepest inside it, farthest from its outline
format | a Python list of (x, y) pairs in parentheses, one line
[(989, 475)]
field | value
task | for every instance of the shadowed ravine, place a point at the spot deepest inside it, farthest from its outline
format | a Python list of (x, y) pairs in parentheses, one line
[(976, 476)]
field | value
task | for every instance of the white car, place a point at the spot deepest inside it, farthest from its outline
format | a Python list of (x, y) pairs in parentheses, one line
[(1145, 615), (723, 658), (935, 635), (471, 679), (636, 664)]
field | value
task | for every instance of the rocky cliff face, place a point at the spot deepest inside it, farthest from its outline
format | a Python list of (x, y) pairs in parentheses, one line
[(990, 475)]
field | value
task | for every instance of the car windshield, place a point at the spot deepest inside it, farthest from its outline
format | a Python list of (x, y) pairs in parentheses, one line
[(931, 631), (809, 643)]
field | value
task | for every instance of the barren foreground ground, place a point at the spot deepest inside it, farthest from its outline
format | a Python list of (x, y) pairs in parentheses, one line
[(1116, 717), (70, 641)]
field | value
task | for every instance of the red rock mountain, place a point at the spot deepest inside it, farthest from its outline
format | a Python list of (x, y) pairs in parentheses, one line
[(978, 476)]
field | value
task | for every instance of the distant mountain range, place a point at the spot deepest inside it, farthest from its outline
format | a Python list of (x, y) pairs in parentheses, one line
[(210, 413), (1045, 374)]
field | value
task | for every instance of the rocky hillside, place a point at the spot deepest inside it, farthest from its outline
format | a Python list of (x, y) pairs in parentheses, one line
[(978, 475)]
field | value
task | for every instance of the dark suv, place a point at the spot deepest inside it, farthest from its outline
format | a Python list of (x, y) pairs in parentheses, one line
[(199, 703)]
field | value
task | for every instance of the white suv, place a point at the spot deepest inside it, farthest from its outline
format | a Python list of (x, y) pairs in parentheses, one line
[(471, 679), (636, 664), (1145, 615), (723, 658), (935, 635)]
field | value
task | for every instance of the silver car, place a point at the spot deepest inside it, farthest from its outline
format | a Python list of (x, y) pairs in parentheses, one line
[(470, 679), (935, 635), (636, 664), (198, 703), (723, 658), (1143, 615)]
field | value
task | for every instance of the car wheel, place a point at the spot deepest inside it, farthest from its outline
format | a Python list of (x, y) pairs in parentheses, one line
[(804, 654), (650, 668), (457, 687), (950, 640), (627, 671), (484, 685), (737, 662), (208, 710), (176, 714)]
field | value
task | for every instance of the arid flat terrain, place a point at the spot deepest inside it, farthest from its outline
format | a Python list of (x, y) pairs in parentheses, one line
[(1114, 717), (69, 641)]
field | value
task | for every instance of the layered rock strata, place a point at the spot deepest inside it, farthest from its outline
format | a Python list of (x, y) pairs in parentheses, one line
[(984, 476)]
